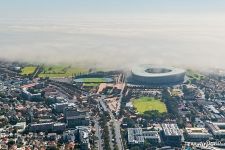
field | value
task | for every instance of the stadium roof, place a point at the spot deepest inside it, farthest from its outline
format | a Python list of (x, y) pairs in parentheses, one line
[(156, 71)]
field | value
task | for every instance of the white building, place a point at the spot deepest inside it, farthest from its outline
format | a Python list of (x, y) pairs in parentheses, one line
[(172, 134), (138, 136), (197, 134)]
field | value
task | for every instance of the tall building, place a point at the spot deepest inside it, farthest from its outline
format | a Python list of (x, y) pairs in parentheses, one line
[(76, 117), (47, 127), (69, 136), (84, 139), (138, 136), (135, 136), (172, 135), (60, 107), (41, 127), (29, 96)]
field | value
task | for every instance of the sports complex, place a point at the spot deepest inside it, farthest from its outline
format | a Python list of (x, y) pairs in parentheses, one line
[(156, 75)]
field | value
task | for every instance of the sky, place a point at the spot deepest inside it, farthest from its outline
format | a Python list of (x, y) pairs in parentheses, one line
[(60, 8), (109, 33)]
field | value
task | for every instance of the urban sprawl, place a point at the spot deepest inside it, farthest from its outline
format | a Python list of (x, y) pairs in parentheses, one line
[(62, 107)]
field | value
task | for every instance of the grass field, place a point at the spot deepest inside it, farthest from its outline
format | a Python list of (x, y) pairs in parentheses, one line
[(61, 71), (93, 80), (28, 70), (91, 84), (144, 104)]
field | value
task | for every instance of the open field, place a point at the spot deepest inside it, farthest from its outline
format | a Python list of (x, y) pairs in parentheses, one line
[(93, 80), (61, 71), (28, 70), (91, 84), (144, 104)]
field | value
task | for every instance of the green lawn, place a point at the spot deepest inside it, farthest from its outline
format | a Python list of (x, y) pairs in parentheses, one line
[(28, 70), (90, 84), (194, 75), (93, 80), (61, 71), (144, 104)]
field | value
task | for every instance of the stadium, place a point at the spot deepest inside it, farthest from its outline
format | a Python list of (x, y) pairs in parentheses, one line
[(156, 75)]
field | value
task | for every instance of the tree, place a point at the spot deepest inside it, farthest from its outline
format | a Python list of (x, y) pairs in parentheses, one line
[(130, 122), (212, 96), (136, 148), (147, 144), (2, 95), (11, 143), (14, 131), (52, 148), (154, 115), (171, 103), (13, 120), (116, 148), (206, 95)]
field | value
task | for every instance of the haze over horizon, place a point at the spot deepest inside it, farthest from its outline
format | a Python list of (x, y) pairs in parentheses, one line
[(114, 33)]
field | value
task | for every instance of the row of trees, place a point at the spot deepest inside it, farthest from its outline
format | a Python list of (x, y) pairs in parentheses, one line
[(104, 118)]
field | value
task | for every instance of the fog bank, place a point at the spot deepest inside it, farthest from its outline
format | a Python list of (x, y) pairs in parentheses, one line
[(194, 41)]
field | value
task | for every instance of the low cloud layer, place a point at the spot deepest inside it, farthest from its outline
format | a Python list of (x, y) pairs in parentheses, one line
[(195, 41)]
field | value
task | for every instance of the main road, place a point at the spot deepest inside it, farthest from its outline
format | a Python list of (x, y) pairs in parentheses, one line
[(98, 134), (116, 124)]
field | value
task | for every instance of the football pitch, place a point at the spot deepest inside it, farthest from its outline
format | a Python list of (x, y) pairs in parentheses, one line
[(144, 104)]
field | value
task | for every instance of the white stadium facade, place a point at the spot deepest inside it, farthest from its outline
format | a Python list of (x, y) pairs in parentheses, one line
[(156, 75)]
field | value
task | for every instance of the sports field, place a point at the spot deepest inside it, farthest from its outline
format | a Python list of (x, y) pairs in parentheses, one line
[(61, 71), (93, 80), (28, 70), (144, 104), (91, 84)]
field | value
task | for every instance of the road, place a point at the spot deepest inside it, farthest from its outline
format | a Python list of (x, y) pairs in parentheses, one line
[(116, 125), (98, 134), (120, 80), (118, 137), (120, 100), (110, 136), (36, 71)]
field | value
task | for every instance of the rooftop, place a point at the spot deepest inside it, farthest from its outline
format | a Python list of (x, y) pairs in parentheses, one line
[(217, 127), (196, 131), (137, 135), (171, 130)]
